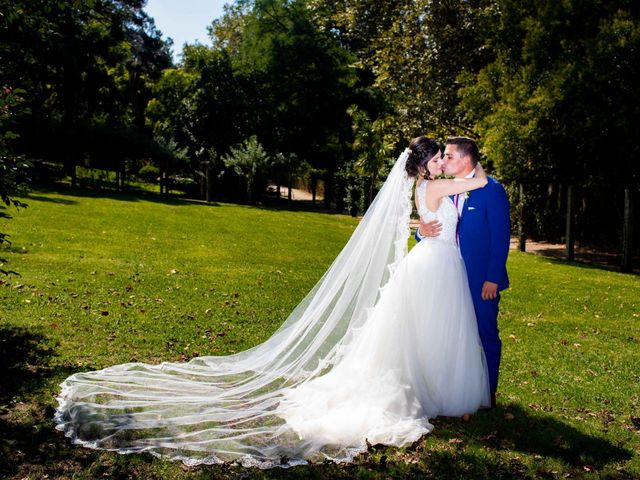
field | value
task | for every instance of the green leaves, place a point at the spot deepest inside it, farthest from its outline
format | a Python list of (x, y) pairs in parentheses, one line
[(247, 160)]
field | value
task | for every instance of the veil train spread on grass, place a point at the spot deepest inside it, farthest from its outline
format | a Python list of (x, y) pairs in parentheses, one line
[(216, 409)]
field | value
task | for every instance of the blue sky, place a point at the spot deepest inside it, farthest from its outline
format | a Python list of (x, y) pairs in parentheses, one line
[(185, 21)]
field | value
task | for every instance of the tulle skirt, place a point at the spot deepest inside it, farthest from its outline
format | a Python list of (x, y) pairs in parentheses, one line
[(418, 356)]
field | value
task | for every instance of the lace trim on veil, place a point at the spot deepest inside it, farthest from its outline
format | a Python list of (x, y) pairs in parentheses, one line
[(220, 409)]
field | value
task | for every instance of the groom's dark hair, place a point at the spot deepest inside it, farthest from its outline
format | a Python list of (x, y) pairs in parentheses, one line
[(466, 146)]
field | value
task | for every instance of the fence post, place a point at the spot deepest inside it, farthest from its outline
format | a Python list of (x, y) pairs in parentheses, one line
[(627, 232)]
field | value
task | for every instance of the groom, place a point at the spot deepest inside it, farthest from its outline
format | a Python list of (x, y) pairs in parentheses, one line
[(483, 238)]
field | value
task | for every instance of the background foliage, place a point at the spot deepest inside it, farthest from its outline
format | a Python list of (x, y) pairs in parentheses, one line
[(546, 87)]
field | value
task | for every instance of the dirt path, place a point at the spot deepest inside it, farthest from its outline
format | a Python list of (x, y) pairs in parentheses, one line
[(296, 194), (581, 254)]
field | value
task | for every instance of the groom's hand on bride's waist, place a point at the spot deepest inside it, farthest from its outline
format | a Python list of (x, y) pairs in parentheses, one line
[(429, 229)]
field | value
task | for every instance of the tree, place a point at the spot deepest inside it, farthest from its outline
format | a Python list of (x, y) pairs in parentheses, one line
[(248, 160), (80, 64), (12, 168), (297, 79), (169, 112), (548, 106), (372, 147), (415, 50)]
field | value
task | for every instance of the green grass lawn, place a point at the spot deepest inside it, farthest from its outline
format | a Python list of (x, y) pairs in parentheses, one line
[(120, 278)]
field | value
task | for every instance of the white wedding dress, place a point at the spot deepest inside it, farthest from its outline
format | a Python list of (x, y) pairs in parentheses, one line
[(384, 341), (417, 357)]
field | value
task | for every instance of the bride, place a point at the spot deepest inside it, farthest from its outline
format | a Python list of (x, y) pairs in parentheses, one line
[(384, 341)]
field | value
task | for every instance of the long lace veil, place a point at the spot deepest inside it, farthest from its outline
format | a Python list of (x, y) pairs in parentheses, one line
[(216, 409)]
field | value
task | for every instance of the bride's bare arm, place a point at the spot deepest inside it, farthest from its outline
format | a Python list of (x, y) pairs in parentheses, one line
[(443, 187)]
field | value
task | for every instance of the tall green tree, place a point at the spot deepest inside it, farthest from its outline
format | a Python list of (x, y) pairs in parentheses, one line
[(13, 169), (415, 50), (81, 64)]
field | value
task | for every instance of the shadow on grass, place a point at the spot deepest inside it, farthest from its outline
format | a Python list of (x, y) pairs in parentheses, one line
[(592, 261), (266, 203), (27, 435), (41, 198), (282, 204), (126, 196), (24, 359), (536, 434), (13, 249)]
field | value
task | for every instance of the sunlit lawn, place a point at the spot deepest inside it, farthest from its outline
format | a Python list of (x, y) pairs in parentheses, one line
[(113, 279)]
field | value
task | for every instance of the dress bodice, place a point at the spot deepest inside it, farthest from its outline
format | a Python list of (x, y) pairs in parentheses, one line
[(446, 214)]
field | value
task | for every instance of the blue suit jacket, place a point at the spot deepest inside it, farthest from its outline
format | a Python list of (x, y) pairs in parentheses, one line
[(484, 236)]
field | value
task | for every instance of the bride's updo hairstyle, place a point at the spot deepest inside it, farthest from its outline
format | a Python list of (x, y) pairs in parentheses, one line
[(422, 149)]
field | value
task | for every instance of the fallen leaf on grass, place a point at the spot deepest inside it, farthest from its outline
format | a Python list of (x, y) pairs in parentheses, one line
[(492, 436)]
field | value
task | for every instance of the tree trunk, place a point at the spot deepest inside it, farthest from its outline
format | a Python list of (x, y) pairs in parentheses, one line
[(329, 188), (570, 240), (370, 199), (123, 174), (627, 232), (208, 182), (278, 191), (522, 235), (249, 181), (289, 186), (339, 194), (314, 186)]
